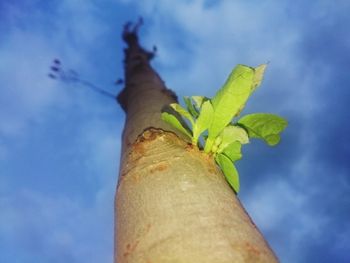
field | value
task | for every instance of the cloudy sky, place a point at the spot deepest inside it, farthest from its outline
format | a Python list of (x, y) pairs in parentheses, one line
[(60, 141)]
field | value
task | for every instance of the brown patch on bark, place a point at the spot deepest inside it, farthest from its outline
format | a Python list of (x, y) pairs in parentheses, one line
[(252, 249), (159, 167), (250, 252), (210, 163), (190, 147), (211, 170), (151, 134), (122, 174), (148, 228), (130, 248), (138, 148)]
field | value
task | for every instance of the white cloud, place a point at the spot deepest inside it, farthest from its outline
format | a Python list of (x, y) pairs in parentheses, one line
[(62, 228), (34, 37), (82, 23), (101, 138), (26, 88), (284, 207), (342, 239), (278, 206), (3, 151), (210, 41)]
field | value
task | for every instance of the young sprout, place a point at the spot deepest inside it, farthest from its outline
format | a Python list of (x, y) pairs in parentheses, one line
[(224, 138)]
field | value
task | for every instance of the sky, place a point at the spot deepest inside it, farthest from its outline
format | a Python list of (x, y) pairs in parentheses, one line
[(60, 141)]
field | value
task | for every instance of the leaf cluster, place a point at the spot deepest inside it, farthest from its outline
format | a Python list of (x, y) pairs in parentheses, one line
[(215, 122)]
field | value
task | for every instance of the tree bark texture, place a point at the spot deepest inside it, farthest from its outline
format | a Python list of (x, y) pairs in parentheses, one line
[(173, 205)]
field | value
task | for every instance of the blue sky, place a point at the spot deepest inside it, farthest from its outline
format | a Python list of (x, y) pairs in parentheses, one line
[(60, 142)]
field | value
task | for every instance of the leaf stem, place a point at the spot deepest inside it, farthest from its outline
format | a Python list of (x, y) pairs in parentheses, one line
[(208, 145)]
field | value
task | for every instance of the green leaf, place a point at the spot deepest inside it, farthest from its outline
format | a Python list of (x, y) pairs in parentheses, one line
[(264, 126), (204, 120), (190, 107), (231, 134), (215, 145), (198, 100), (183, 112), (258, 76), (229, 171), (257, 79), (231, 98), (173, 121), (233, 151)]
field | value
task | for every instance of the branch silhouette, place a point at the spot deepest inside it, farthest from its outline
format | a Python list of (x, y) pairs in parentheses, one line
[(71, 76)]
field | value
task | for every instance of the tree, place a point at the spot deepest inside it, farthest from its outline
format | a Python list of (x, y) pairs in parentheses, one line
[(173, 203)]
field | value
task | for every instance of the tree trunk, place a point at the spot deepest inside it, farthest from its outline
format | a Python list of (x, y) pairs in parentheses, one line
[(172, 202)]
